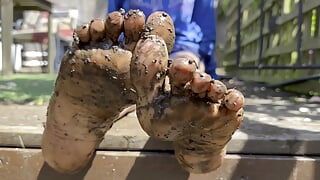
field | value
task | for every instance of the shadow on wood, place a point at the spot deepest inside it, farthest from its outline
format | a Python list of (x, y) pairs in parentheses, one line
[(48, 173), (157, 167), (280, 167)]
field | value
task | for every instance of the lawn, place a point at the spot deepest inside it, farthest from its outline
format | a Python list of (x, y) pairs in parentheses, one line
[(26, 88)]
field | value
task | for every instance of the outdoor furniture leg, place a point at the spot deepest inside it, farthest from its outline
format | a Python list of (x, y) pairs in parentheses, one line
[(6, 36), (51, 45)]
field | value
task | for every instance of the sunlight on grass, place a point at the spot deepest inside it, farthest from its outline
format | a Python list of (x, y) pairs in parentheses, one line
[(26, 88)]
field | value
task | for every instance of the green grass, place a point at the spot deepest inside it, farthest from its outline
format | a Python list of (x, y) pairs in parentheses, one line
[(26, 88)]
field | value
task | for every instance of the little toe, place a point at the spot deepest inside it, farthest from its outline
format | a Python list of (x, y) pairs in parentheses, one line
[(82, 34), (97, 30), (234, 100)]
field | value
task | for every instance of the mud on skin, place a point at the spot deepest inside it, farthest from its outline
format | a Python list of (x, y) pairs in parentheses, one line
[(197, 113)]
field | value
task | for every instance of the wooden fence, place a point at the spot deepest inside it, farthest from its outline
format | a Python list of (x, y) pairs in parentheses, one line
[(273, 40)]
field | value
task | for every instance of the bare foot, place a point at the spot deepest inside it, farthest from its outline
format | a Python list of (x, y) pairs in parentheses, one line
[(92, 88), (94, 85), (198, 114)]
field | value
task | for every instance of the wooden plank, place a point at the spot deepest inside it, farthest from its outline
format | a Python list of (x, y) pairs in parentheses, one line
[(249, 59), (229, 63), (282, 49), (231, 20), (17, 164), (307, 25), (256, 15), (254, 137), (318, 22), (310, 43), (246, 4), (248, 40), (232, 8), (234, 15), (6, 35), (307, 43), (307, 6), (252, 18), (230, 49), (254, 37)]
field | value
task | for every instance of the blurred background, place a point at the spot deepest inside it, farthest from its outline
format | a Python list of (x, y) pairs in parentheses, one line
[(268, 49), (34, 36), (271, 42)]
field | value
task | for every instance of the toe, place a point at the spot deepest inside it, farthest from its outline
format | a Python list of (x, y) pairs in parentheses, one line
[(216, 91), (92, 35), (160, 23), (82, 33), (181, 71), (149, 65), (134, 21), (200, 82), (114, 25), (100, 33), (97, 30), (234, 100), (184, 76)]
